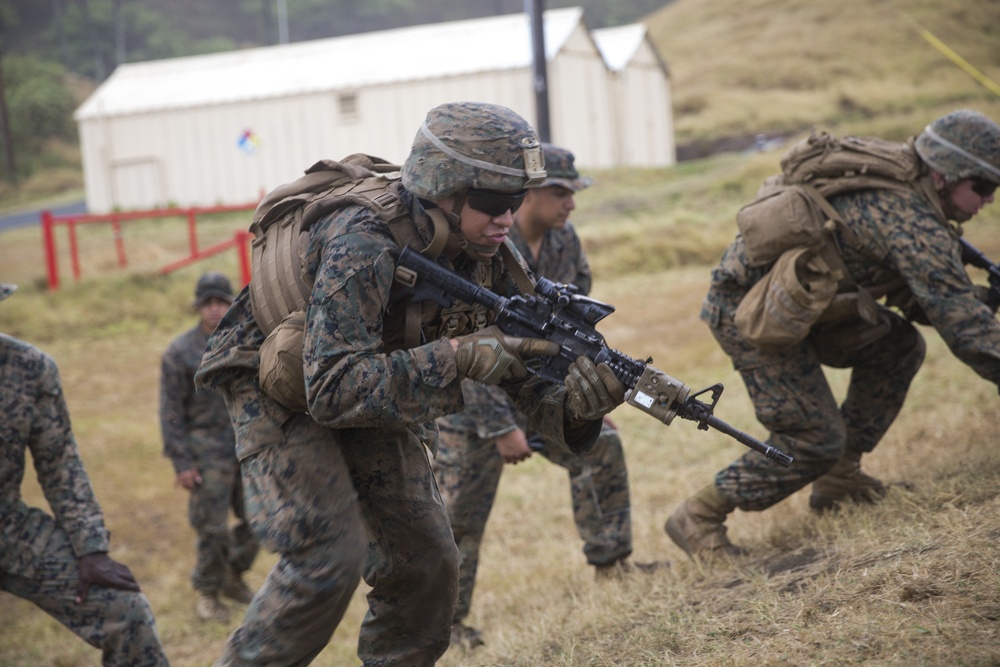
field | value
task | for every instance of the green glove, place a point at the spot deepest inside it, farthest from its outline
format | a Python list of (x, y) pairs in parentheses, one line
[(592, 391), (491, 356)]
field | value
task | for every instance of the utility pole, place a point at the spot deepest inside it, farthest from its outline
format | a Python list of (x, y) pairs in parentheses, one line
[(535, 9), (119, 33), (57, 18), (8, 139), (282, 21)]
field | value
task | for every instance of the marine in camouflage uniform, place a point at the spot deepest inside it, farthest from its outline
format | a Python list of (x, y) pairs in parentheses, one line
[(900, 234), (198, 440), (61, 563), (347, 488), (472, 453)]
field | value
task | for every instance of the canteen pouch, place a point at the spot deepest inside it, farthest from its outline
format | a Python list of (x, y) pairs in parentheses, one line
[(281, 375)]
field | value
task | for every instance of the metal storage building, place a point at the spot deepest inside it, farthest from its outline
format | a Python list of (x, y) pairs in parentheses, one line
[(224, 128), (641, 97)]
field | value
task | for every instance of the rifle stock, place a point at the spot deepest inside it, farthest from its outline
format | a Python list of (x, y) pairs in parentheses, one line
[(557, 313)]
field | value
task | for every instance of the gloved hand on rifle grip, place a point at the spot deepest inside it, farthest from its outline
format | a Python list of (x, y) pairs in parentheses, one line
[(592, 390), (490, 356)]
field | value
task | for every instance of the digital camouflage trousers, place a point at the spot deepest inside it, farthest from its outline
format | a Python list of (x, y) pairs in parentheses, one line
[(222, 550), (119, 623), (468, 470), (337, 505), (793, 400)]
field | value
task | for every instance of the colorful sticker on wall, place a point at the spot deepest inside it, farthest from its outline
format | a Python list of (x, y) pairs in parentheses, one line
[(248, 142)]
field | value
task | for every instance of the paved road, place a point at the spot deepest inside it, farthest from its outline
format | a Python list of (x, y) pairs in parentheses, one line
[(33, 216)]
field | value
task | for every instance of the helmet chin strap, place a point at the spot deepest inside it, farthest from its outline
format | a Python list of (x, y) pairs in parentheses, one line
[(951, 212), (480, 253)]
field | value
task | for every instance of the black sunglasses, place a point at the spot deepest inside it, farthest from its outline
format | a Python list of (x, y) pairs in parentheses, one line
[(983, 188), (493, 203)]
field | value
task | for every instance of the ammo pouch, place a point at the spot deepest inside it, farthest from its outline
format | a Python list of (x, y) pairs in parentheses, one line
[(279, 288), (805, 287), (281, 376)]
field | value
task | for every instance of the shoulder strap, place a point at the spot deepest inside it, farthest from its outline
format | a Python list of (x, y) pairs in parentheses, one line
[(282, 222), (518, 271)]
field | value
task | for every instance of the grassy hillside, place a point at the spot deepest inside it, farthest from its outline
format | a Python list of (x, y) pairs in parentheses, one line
[(912, 581), (741, 68)]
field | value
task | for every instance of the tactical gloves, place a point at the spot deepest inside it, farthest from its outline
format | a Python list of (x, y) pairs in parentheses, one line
[(592, 391), (490, 356)]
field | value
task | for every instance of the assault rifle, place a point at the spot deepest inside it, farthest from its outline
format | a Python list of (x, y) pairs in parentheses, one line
[(972, 255), (557, 313)]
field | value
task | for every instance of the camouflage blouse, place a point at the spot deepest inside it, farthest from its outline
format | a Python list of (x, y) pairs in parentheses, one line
[(897, 234), (354, 376), (35, 418), (194, 423)]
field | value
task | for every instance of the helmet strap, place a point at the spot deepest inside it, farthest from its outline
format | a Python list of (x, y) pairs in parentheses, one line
[(473, 250)]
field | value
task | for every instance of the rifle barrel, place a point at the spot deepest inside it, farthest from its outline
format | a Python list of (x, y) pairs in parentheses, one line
[(753, 443)]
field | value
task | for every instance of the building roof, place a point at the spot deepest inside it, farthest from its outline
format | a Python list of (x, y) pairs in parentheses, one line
[(340, 63), (619, 45)]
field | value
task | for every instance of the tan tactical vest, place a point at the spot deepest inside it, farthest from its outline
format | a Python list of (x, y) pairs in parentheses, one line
[(280, 288), (791, 225)]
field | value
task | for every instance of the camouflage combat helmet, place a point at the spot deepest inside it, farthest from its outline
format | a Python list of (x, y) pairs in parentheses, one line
[(560, 169), (6, 289), (212, 285), (472, 145), (962, 144)]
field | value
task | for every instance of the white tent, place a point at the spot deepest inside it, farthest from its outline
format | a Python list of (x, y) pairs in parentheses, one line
[(641, 96), (224, 128)]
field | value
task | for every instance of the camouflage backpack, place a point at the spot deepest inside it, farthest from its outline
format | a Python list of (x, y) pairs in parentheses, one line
[(279, 289), (790, 226)]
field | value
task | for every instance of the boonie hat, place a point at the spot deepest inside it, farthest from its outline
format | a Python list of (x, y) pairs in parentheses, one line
[(212, 285), (560, 169)]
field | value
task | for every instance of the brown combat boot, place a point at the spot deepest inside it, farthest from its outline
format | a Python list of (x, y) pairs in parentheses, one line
[(210, 608), (845, 482), (466, 637), (236, 589), (699, 525)]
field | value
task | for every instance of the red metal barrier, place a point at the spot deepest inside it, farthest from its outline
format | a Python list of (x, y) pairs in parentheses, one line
[(49, 243), (49, 222), (240, 242)]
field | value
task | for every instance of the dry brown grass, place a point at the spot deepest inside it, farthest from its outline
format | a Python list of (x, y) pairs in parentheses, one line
[(777, 65), (912, 581)]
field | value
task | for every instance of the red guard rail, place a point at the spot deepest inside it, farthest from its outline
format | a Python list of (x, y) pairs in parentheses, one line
[(240, 241)]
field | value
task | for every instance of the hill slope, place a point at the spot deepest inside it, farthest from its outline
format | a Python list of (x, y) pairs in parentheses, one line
[(741, 67), (912, 581)]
